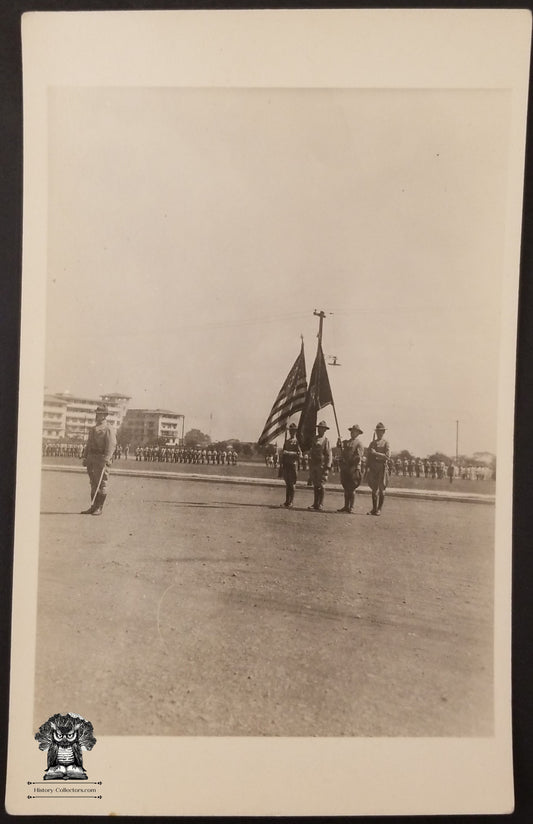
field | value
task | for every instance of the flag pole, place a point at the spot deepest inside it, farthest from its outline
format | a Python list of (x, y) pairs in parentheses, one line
[(336, 421), (321, 315)]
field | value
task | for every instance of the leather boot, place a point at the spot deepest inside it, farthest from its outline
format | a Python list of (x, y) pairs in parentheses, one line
[(346, 507), (374, 509), (351, 501), (99, 504), (380, 502), (320, 498), (315, 499), (91, 508), (288, 497)]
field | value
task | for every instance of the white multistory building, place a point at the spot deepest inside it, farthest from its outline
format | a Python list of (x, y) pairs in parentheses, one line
[(69, 417)]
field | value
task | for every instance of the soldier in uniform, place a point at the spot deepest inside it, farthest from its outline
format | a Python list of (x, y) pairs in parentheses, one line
[(97, 458), (290, 456), (320, 460), (377, 472), (350, 465)]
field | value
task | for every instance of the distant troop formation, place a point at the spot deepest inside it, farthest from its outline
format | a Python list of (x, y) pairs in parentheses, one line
[(121, 451), (63, 450), (400, 467), (179, 454), (437, 470)]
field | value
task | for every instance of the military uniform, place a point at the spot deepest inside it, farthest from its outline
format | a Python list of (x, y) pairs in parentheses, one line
[(378, 472), (320, 460), (97, 458), (350, 464), (291, 455)]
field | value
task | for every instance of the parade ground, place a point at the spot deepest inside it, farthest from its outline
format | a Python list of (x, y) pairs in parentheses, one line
[(205, 609)]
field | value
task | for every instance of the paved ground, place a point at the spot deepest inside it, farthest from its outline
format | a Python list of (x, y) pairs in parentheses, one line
[(205, 609)]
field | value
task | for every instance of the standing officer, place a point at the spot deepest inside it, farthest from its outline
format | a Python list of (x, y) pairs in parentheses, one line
[(291, 454), (350, 463), (378, 472), (97, 458), (320, 460)]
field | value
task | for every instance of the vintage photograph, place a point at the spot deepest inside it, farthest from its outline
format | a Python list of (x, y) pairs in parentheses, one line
[(198, 241), (270, 418)]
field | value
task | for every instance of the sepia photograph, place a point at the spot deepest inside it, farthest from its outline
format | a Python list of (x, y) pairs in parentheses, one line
[(268, 413), (188, 250)]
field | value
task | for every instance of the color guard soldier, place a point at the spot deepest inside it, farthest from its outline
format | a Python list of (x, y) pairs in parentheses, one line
[(320, 460), (97, 458), (377, 472), (350, 466), (291, 454)]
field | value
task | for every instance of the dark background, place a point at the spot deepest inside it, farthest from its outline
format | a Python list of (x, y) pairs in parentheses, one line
[(10, 274)]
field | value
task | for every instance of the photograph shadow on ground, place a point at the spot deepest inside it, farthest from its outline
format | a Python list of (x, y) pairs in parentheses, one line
[(60, 513), (217, 504)]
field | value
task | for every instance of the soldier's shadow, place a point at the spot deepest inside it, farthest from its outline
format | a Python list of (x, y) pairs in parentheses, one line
[(60, 513), (217, 504)]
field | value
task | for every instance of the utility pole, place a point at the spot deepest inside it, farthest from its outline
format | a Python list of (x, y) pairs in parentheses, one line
[(320, 315), (456, 442)]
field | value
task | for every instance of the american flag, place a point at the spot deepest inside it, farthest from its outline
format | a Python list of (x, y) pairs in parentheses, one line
[(290, 399)]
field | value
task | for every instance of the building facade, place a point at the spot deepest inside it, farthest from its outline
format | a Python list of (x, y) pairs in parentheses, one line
[(69, 417), (117, 405), (143, 426), (54, 418)]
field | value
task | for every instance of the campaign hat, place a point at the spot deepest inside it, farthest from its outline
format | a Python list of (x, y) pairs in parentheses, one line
[(357, 427), (381, 427), (322, 424), (102, 409), (293, 426)]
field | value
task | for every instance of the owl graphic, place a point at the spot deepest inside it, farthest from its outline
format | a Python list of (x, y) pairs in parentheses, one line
[(64, 736)]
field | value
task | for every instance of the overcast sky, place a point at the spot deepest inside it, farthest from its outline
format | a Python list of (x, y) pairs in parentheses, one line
[(193, 232)]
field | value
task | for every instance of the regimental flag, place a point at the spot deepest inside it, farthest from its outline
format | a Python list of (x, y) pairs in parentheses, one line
[(290, 400), (318, 395)]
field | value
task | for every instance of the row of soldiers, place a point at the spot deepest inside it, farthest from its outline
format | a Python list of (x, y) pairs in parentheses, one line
[(418, 468), (438, 470), (374, 466), (189, 455), (101, 446), (351, 464), (406, 468), (62, 450)]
